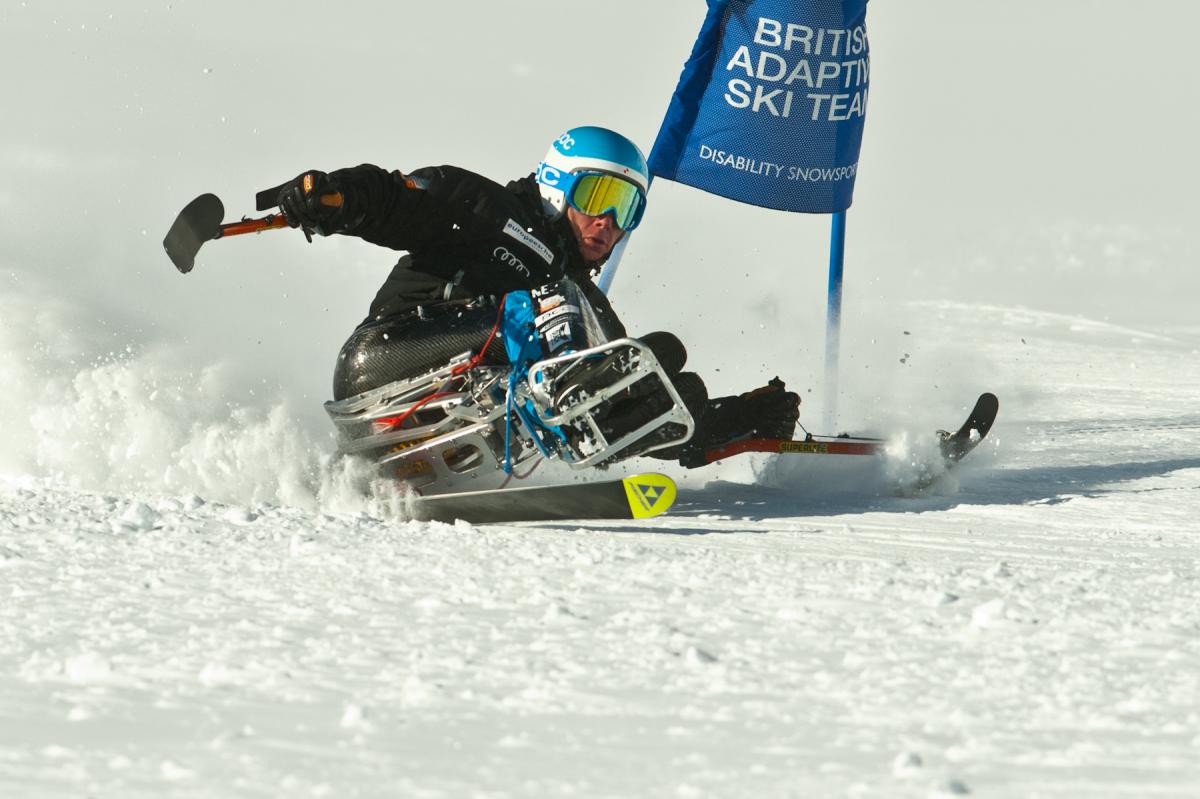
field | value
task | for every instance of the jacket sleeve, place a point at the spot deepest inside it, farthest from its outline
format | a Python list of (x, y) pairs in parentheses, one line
[(458, 225), (390, 209)]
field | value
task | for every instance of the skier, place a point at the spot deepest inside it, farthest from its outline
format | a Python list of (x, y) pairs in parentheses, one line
[(469, 241)]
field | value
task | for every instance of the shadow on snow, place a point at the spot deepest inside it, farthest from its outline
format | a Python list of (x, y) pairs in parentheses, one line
[(1046, 485)]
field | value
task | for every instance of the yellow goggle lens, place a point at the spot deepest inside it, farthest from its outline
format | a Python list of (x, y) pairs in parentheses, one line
[(596, 195)]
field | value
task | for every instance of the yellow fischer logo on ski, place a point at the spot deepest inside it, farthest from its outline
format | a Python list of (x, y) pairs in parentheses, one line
[(649, 494)]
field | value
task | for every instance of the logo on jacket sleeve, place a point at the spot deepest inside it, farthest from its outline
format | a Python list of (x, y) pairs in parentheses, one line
[(529, 240)]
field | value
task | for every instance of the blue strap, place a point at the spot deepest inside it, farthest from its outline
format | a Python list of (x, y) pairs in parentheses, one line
[(523, 348), (520, 337), (508, 469)]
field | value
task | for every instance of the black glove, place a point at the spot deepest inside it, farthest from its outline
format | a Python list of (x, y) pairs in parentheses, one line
[(770, 411), (767, 412), (312, 202)]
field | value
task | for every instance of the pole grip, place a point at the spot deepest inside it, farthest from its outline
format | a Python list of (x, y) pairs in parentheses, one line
[(273, 221), (267, 198), (252, 225)]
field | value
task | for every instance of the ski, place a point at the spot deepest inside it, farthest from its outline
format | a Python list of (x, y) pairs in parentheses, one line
[(640, 496), (954, 446)]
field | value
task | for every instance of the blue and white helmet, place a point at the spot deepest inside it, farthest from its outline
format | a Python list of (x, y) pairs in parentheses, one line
[(590, 150)]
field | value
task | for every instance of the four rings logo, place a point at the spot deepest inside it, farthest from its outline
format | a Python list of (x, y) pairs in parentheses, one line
[(505, 257)]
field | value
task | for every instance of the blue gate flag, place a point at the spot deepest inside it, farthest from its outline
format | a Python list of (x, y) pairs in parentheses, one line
[(771, 104)]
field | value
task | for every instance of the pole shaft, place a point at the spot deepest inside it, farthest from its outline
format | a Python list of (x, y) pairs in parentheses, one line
[(833, 317), (609, 272)]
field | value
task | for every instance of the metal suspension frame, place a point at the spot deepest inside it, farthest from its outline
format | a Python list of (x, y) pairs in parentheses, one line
[(595, 448), (466, 439)]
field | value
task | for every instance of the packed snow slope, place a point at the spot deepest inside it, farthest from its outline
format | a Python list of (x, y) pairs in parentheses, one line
[(1029, 628), (198, 601)]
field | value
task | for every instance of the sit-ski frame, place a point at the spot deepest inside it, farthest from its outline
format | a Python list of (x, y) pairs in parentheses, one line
[(466, 438)]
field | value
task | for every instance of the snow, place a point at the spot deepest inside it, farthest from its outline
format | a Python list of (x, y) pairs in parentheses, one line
[(196, 601), (1027, 628)]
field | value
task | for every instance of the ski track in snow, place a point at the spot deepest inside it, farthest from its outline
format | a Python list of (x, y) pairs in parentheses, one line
[(1031, 627)]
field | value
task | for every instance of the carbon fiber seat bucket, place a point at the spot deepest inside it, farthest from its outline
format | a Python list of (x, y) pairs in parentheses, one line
[(382, 352)]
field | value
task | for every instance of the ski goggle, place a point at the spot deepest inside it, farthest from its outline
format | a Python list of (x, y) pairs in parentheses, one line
[(598, 193)]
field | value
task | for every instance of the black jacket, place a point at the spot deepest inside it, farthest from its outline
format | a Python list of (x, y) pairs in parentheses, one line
[(466, 237)]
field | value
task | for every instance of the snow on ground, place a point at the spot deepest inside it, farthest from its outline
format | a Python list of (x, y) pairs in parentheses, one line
[(1028, 628)]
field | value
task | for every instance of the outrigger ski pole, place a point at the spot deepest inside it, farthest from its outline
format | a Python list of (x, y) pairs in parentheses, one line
[(200, 221)]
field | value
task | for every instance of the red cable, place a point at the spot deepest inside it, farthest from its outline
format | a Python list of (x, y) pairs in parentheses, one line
[(396, 421), (471, 364)]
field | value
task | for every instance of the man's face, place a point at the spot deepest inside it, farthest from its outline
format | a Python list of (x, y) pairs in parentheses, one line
[(596, 235)]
